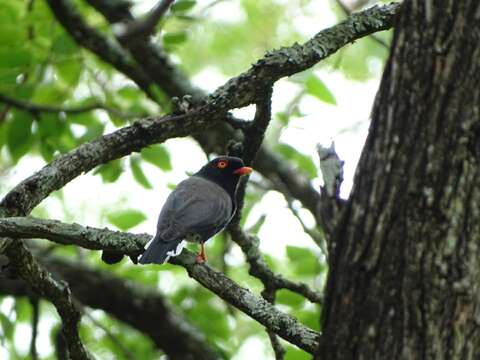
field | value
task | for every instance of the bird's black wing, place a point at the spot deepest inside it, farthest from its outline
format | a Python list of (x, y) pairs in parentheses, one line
[(196, 206)]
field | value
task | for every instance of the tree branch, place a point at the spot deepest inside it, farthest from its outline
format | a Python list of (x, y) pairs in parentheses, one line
[(72, 234), (30, 192), (269, 294), (243, 90), (34, 302), (259, 269), (144, 27), (346, 10), (257, 308), (284, 325)]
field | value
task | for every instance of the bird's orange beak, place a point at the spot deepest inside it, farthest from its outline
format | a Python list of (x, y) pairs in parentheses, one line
[(243, 170)]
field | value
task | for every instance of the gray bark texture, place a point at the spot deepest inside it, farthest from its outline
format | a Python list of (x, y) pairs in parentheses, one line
[(404, 277)]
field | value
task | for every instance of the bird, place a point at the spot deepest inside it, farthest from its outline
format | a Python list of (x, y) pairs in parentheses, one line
[(199, 207)]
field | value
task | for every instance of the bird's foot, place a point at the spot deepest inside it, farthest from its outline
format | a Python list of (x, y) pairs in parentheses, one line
[(200, 259)]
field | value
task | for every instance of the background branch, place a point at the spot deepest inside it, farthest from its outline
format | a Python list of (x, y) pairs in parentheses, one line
[(141, 307), (57, 293), (34, 302), (39, 108), (145, 26)]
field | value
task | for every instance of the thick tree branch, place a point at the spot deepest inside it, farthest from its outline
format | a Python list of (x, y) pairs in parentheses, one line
[(285, 326), (257, 308), (72, 234), (30, 192), (348, 12), (243, 90)]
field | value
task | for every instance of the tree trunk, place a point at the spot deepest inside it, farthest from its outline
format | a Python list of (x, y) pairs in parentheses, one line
[(404, 277)]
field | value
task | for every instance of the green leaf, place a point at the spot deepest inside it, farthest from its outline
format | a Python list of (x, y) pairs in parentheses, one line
[(84, 118), (317, 88), (309, 318), (50, 125), (19, 134), (158, 156), (110, 172), (289, 298), (304, 261), (138, 173), (23, 310), (129, 92), (174, 38), (94, 130), (3, 133), (64, 45), (7, 327), (296, 253), (69, 71), (293, 353), (183, 5), (10, 58), (304, 162), (126, 219)]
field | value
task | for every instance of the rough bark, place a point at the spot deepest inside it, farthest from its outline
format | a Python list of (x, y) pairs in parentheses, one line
[(405, 272)]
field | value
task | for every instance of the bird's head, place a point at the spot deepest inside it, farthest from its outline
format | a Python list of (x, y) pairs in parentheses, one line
[(225, 171)]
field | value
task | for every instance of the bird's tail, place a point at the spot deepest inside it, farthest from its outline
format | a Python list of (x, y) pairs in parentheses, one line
[(160, 251)]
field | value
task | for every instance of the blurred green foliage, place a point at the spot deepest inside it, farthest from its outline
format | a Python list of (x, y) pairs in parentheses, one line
[(41, 64)]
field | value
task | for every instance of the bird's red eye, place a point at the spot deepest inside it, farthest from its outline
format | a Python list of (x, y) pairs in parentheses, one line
[(222, 164)]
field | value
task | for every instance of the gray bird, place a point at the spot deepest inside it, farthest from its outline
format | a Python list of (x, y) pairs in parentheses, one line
[(197, 209)]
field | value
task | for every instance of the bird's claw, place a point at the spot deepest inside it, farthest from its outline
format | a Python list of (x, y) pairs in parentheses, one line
[(200, 259)]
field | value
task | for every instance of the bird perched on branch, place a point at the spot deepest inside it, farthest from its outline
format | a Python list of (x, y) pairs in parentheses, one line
[(197, 209)]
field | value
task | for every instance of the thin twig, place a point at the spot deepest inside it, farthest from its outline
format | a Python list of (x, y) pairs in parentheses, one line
[(35, 317), (269, 294), (126, 352), (317, 238), (40, 108), (145, 27)]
